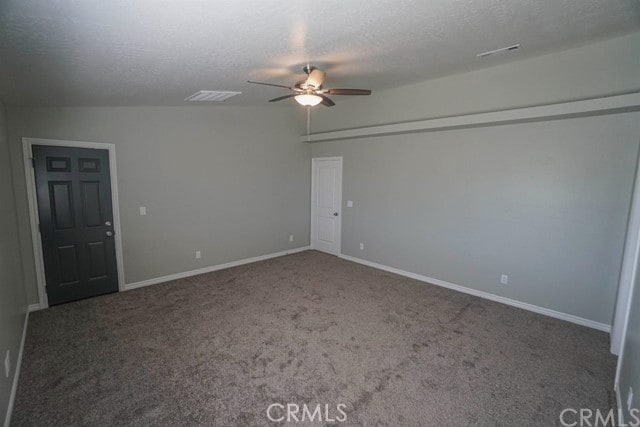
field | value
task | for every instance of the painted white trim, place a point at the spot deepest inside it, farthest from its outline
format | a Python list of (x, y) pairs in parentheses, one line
[(16, 374), (33, 307), (508, 301), (204, 270), (313, 209), (27, 152), (604, 105), (633, 289), (616, 388), (628, 272), (33, 222)]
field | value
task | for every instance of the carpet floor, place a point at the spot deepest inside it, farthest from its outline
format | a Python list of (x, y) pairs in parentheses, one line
[(307, 328)]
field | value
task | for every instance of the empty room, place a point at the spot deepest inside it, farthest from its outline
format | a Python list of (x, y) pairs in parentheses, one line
[(375, 213)]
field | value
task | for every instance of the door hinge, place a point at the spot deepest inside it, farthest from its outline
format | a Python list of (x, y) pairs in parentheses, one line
[(40, 228), (33, 162)]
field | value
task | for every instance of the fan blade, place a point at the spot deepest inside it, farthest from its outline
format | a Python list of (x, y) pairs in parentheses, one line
[(316, 78), (268, 84), (280, 98), (349, 91), (327, 102)]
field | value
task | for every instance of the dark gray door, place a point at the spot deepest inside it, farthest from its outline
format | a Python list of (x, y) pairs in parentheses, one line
[(73, 188)]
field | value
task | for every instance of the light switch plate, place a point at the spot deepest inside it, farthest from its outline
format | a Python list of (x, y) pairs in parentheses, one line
[(349, 203), (143, 210)]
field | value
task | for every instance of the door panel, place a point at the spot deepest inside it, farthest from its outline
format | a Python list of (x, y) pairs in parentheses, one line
[(91, 209), (73, 188), (325, 230), (68, 264), (58, 164), (326, 186), (326, 205), (97, 260), (89, 165), (61, 204)]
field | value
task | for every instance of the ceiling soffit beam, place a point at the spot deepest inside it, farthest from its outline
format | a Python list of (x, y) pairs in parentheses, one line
[(587, 107)]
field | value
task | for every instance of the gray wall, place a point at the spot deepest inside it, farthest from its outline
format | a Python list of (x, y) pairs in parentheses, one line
[(232, 182), (630, 366), (545, 203), (13, 305)]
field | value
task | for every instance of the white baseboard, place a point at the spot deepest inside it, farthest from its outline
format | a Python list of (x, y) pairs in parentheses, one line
[(34, 307), (204, 270), (515, 303), (16, 374)]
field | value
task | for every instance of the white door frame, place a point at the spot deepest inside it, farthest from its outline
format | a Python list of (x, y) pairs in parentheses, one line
[(27, 151), (627, 286), (313, 186), (628, 273)]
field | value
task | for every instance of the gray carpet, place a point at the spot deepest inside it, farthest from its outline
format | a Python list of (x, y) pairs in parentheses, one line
[(308, 328)]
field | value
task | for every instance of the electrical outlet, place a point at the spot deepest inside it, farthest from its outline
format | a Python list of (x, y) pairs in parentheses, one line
[(630, 399), (504, 279), (361, 246), (198, 254), (7, 364), (291, 237)]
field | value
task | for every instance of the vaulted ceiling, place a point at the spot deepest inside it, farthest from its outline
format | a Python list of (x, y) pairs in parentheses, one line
[(157, 52)]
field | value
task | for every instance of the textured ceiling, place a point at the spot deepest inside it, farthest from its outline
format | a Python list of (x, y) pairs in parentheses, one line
[(157, 52)]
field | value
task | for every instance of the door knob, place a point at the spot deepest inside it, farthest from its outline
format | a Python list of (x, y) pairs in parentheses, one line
[(107, 224), (109, 233), (335, 214)]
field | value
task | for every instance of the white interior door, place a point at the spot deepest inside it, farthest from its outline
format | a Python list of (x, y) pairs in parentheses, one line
[(326, 204)]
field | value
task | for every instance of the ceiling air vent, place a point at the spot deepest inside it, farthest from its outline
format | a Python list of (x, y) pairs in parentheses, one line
[(499, 51), (211, 96)]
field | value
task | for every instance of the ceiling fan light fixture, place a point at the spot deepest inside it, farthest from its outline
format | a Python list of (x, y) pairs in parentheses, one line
[(310, 92), (308, 99)]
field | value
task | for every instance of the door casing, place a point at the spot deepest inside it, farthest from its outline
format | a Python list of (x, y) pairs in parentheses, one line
[(313, 186), (27, 152)]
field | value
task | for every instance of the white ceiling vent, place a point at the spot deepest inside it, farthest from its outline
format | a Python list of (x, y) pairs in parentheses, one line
[(499, 51), (211, 96)]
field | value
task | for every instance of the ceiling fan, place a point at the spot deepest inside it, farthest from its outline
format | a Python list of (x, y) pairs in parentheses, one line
[(309, 92)]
